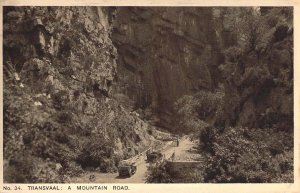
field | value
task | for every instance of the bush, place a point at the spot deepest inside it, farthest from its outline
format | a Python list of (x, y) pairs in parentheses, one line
[(207, 137), (97, 153), (158, 174), (21, 169), (248, 155), (199, 111)]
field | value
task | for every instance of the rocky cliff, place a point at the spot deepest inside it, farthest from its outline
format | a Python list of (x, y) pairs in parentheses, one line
[(165, 53), (59, 65)]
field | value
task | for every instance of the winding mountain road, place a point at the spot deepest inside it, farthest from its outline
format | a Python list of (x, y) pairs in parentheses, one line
[(142, 166)]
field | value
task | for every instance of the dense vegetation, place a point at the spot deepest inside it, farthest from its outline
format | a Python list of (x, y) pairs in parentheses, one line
[(258, 102), (199, 111), (247, 155), (55, 145)]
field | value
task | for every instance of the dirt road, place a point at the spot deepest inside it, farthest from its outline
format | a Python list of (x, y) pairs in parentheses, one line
[(140, 176)]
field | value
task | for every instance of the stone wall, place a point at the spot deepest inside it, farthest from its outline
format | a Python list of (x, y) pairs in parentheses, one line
[(184, 169)]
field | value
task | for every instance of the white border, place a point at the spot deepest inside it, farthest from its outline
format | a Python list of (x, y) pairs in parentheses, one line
[(182, 188)]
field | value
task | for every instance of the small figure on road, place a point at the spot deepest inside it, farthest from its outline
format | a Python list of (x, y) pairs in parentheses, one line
[(173, 156), (177, 140), (92, 178)]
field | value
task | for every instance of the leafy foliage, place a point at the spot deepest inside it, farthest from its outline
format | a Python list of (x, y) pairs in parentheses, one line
[(158, 174), (199, 111), (258, 67), (98, 153), (241, 155), (162, 173)]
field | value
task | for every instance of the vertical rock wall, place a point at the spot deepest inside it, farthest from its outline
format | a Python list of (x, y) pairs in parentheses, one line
[(164, 53)]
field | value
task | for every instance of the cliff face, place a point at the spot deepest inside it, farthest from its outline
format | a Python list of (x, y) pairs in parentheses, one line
[(165, 53), (59, 65), (73, 41)]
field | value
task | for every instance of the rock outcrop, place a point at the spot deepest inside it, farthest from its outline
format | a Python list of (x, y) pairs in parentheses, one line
[(73, 41), (165, 53)]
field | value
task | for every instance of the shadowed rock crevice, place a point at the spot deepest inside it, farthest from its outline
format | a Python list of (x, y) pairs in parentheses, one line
[(165, 53)]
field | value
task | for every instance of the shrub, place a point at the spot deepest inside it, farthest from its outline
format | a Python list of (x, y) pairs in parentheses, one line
[(158, 174), (199, 111), (248, 155), (21, 169), (97, 152), (207, 137)]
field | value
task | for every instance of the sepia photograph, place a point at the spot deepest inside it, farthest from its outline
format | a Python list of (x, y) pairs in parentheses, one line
[(148, 94)]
